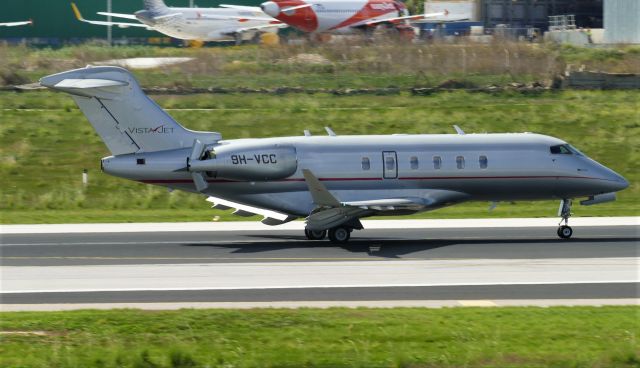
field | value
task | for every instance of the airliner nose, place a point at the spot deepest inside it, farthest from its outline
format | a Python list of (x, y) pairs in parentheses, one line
[(270, 8)]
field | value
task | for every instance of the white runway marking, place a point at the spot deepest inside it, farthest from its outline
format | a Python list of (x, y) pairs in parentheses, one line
[(324, 304), (299, 225), (280, 275)]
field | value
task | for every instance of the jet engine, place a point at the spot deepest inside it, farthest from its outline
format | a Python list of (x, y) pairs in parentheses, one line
[(253, 162)]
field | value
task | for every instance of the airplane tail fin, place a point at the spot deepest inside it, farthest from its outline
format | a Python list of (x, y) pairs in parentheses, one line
[(154, 6), (125, 118)]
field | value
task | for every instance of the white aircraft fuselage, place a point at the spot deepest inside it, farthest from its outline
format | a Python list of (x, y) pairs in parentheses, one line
[(204, 24), (336, 16)]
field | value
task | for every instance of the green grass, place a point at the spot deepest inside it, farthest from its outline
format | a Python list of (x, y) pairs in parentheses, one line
[(43, 152), (341, 65), (460, 337)]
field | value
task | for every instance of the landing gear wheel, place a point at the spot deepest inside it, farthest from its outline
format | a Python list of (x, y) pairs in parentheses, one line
[(339, 235), (315, 234), (564, 212), (565, 232)]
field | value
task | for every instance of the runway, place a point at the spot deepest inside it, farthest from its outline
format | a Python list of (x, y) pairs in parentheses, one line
[(385, 266)]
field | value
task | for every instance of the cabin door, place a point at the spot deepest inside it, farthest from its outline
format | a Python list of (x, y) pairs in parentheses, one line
[(390, 165)]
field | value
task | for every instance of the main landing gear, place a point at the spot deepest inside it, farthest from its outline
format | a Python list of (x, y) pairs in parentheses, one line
[(565, 231), (337, 235), (315, 234)]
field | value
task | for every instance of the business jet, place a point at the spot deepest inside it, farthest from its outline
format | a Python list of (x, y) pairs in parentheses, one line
[(198, 24), (16, 24), (333, 181), (341, 16)]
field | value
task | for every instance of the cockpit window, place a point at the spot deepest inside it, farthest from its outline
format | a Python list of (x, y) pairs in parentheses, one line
[(564, 149)]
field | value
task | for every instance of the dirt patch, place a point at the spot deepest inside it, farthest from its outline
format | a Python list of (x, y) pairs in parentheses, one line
[(25, 333)]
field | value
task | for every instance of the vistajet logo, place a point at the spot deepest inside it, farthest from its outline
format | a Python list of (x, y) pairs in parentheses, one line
[(162, 129)]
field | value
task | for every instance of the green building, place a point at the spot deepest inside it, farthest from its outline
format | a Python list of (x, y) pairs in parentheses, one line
[(54, 21)]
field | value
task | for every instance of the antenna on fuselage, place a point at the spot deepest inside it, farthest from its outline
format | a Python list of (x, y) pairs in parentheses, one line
[(459, 130), (330, 131), (307, 133)]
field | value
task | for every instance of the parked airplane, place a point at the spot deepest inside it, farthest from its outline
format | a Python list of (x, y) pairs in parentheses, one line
[(200, 24), (340, 16), (15, 24), (333, 181)]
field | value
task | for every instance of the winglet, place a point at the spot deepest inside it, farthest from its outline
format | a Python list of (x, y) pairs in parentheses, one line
[(319, 192), (76, 11)]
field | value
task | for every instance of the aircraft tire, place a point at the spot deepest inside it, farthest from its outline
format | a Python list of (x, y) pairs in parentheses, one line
[(339, 235), (565, 232), (315, 235)]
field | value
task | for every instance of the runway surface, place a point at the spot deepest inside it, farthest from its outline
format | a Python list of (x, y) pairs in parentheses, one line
[(468, 266)]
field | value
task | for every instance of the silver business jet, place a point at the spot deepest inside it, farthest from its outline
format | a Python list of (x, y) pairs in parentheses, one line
[(332, 181)]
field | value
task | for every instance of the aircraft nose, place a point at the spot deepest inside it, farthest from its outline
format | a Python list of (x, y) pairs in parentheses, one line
[(620, 182), (270, 8), (614, 181)]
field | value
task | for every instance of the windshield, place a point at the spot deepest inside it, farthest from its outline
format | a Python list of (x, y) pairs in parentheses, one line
[(565, 149)]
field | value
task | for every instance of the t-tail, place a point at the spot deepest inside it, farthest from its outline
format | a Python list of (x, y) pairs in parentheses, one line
[(125, 118)]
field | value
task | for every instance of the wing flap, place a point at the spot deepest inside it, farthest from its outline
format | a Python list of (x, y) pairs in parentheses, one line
[(271, 218)]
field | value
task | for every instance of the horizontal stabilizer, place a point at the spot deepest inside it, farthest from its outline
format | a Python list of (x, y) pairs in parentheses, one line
[(88, 83)]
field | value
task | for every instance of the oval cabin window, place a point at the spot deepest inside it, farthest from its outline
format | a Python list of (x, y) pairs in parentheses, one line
[(483, 162), (366, 164), (460, 162), (414, 163)]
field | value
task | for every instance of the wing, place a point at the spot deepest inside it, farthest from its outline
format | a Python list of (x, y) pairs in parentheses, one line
[(234, 17), (15, 24), (271, 218), (241, 7), (407, 17), (331, 212), (246, 29), (76, 11), (119, 15)]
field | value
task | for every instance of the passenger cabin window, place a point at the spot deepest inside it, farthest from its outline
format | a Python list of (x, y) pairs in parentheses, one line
[(390, 163), (483, 162), (460, 162), (437, 162), (140, 161), (414, 163), (366, 164)]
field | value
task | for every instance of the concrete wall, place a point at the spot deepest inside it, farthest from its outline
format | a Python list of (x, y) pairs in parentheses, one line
[(622, 21)]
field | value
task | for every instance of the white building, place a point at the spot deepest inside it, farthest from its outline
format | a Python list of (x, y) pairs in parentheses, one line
[(622, 21)]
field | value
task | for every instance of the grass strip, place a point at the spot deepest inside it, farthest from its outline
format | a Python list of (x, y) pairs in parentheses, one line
[(337, 337), (43, 152)]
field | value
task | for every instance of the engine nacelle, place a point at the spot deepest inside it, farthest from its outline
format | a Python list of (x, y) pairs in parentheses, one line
[(600, 198), (247, 162)]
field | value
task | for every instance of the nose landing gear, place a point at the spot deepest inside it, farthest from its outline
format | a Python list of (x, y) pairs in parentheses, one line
[(565, 231)]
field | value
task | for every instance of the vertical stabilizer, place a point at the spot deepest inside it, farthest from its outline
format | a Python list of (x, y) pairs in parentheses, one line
[(125, 118), (155, 6)]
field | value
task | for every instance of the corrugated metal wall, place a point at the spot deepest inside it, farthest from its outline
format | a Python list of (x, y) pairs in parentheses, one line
[(54, 18), (622, 21), (520, 13)]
